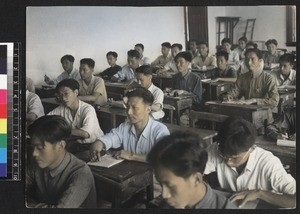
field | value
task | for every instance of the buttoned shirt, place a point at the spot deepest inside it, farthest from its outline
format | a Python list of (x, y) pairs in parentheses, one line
[(240, 52), (280, 81), (125, 135), (125, 74), (64, 75), (171, 66), (263, 171), (96, 85), (84, 119), (158, 95), (34, 104), (161, 60), (70, 185), (209, 60), (233, 60)]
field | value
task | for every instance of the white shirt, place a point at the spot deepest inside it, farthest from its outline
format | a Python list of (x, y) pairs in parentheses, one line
[(233, 60), (84, 119), (144, 61), (125, 134), (171, 66), (125, 74), (263, 171), (158, 98), (34, 104), (291, 80), (64, 75)]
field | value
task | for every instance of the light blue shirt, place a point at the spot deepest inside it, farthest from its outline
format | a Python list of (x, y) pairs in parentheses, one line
[(64, 75), (125, 135), (125, 74)]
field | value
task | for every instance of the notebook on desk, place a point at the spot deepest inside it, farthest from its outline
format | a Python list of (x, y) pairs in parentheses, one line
[(107, 161)]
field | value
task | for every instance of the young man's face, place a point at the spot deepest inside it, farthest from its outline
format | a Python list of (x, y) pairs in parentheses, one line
[(252, 61), (165, 51), (144, 80), (182, 65), (137, 110), (111, 60), (203, 50), (227, 46), (177, 191), (242, 44), (67, 96), (193, 46), (271, 48), (133, 62), (139, 49), (175, 51), (222, 63), (285, 68), (85, 71), (45, 154), (67, 65), (237, 160)]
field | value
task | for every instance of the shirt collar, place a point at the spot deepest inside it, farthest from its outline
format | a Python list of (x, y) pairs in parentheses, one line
[(151, 87), (251, 163), (206, 200), (62, 165), (289, 77), (146, 132), (186, 76)]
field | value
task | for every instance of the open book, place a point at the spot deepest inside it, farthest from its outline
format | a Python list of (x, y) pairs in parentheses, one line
[(106, 161)]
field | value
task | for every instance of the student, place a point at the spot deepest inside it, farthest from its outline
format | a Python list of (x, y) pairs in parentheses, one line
[(179, 161), (163, 59), (241, 48), (128, 71), (247, 170), (223, 72), (91, 88), (272, 56), (80, 115), (111, 57), (29, 85), (193, 45), (243, 67), (285, 75), (204, 61), (233, 57), (70, 72), (144, 60), (34, 107), (57, 179), (136, 136), (186, 80), (144, 78)]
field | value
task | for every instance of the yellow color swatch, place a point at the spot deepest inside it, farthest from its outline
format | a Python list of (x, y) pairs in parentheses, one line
[(3, 126)]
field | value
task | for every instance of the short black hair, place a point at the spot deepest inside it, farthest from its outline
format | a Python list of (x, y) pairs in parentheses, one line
[(144, 69), (271, 41), (70, 83), (243, 38), (251, 44), (226, 40), (185, 54), (139, 45), (236, 135), (223, 53), (67, 57), (166, 44), (194, 40), (203, 43), (288, 57), (112, 53), (88, 61), (134, 53), (179, 46), (50, 128), (181, 152), (141, 92), (256, 51)]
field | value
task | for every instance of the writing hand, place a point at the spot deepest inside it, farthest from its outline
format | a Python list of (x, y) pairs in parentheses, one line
[(245, 196)]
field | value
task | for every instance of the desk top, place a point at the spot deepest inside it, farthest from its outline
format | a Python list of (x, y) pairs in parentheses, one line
[(116, 84), (112, 110), (240, 106), (51, 100), (180, 97)]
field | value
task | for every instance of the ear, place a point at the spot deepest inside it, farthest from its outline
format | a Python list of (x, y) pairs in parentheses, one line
[(76, 92), (61, 145), (198, 178)]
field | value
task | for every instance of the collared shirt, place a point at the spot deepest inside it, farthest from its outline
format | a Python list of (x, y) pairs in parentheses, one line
[(158, 98), (263, 171), (215, 73), (171, 66), (261, 86), (70, 185), (144, 61), (190, 82), (214, 200), (84, 119), (64, 75), (125, 74), (96, 85), (240, 52), (34, 104), (209, 60), (194, 54), (109, 72), (291, 80), (161, 60), (125, 135), (233, 60), (269, 59)]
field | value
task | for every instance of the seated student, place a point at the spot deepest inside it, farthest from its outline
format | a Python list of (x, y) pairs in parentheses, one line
[(163, 59), (285, 75), (272, 56), (223, 72), (111, 57), (57, 179), (241, 48), (186, 80), (128, 71), (144, 60), (80, 115), (204, 61), (144, 78), (247, 170), (34, 107), (70, 72), (136, 136), (29, 85), (179, 161), (91, 88), (233, 57), (193, 45), (170, 67), (243, 67)]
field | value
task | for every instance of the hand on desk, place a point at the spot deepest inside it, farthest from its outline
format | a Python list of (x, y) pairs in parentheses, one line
[(245, 196), (96, 151)]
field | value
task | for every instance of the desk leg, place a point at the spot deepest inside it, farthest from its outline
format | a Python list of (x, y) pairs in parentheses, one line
[(171, 116), (178, 116), (117, 201)]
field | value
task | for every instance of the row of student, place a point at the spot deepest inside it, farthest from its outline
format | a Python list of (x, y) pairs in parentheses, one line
[(179, 160)]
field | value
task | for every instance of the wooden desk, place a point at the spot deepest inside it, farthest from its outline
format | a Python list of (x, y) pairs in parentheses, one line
[(256, 114), (45, 92), (286, 98), (180, 103), (214, 89), (120, 182), (162, 82), (49, 104), (115, 90)]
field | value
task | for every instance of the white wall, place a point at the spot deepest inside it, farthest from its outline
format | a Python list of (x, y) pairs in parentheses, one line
[(52, 32)]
